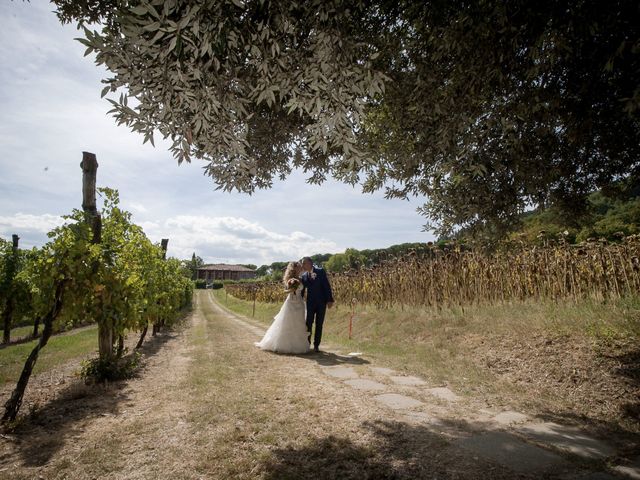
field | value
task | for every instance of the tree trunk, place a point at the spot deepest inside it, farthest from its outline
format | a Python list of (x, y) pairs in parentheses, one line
[(144, 333), (36, 326), (120, 346), (105, 340), (12, 406), (6, 320), (7, 314)]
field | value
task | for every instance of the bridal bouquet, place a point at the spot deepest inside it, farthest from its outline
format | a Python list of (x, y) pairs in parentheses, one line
[(292, 285)]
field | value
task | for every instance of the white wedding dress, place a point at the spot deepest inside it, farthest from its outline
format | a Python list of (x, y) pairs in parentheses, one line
[(288, 332)]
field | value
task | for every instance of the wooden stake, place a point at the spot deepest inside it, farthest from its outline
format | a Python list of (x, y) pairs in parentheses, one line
[(7, 314), (89, 167), (160, 322)]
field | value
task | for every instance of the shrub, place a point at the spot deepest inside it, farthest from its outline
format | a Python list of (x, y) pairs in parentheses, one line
[(99, 370)]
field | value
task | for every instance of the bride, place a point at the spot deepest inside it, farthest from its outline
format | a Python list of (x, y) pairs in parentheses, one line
[(288, 332)]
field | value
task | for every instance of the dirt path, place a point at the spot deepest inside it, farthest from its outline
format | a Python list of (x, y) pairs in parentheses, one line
[(210, 405)]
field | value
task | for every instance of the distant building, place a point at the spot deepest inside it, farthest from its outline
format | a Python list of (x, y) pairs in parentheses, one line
[(222, 271)]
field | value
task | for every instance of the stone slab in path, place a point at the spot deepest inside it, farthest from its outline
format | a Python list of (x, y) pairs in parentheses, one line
[(630, 471), (383, 371), (418, 418), (340, 372), (508, 450), (364, 384), (510, 417), (567, 438), (591, 476), (443, 393), (408, 380), (397, 401)]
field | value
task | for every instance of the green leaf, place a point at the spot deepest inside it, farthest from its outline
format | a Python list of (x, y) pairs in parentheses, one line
[(139, 10)]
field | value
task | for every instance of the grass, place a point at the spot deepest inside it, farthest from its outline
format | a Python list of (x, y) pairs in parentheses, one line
[(404, 340), (25, 331), (59, 350), (502, 353), (21, 332)]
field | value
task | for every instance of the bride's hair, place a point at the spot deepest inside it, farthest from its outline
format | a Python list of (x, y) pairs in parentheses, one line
[(290, 272)]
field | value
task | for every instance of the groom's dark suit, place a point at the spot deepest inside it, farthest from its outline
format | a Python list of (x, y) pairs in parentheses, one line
[(319, 293)]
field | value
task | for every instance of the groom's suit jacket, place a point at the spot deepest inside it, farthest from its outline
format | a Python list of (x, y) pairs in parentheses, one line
[(318, 289)]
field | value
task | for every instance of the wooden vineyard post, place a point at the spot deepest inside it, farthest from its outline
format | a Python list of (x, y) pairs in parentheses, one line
[(160, 321), (255, 294), (163, 244), (353, 313), (89, 167), (12, 266)]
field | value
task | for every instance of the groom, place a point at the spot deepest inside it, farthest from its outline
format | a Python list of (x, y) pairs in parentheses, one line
[(319, 297)]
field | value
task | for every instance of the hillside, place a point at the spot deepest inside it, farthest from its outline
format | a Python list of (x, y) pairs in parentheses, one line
[(606, 217)]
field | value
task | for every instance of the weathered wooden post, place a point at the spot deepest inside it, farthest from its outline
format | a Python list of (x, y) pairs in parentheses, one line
[(10, 274), (163, 245), (255, 294), (89, 167)]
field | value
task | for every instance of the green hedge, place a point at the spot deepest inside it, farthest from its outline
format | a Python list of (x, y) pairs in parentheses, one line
[(202, 283)]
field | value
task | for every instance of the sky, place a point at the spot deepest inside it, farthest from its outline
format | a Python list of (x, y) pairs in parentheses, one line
[(51, 111)]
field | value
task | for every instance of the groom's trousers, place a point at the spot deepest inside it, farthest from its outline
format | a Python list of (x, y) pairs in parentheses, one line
[(316, 312)]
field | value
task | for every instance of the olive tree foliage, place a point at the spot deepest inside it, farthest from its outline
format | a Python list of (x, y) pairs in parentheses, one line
[(497, 106), (483, 107), (242, 84)]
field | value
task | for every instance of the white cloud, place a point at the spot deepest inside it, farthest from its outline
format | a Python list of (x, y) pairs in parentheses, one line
[(234, 240), (138, 207), (21, 222), (215, 239)]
